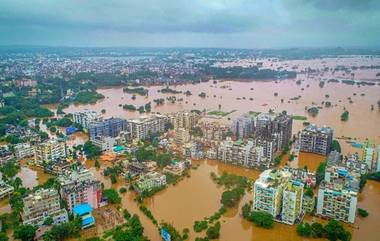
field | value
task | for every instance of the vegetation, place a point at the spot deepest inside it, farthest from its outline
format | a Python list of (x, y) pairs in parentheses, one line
[(344, 116), (213, 232), (199, 226), (261, 219), (129, 107), (91, 150), (138, 90), (335, 146), (88, 97), (220, 113), (374, 176), (112, 196), (313, 111), (148, 213), (363, 213), (25, 232), (320, 173), (202, 95), (333, 231), (62, 231), (168, 90), (299, 117)]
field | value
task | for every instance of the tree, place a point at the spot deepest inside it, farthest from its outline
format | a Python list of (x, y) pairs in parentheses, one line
[(344, 116), (3, 236), (111, 195), (213, 232), (304, 229), (25, 232), (362, 212), (246, 210), (335, 146), (261, 219), (320, 174), (199, 226), (91, 150), (335, 231), (48, 221), (318, 231)]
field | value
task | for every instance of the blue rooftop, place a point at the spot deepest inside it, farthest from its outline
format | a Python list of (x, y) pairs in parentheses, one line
[(87, 221), (82, 209)]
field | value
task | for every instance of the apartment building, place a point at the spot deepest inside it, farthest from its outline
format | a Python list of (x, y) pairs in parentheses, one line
[(111, 127), (5, 189), (316, 140), (183, 119), (268, 191), (149, 181), (292, 202), (242, 153), (242, 127), (182, 136), (335, 201), (213, 131), (274, 125), (368, 155), (80, 186), (42, 204), (23, 150), (105, 143), (48, 151), (141, 127), (85, 117), (338, 192)]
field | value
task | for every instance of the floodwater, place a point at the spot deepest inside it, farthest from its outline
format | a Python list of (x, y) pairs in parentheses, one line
[(198, 196), (244, 96)]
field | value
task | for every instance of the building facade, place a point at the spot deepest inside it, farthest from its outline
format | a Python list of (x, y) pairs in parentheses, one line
[(111, 127), (80, 186), (42, 204), (49, 151), (143, 126), (316, 140), (85, 117)]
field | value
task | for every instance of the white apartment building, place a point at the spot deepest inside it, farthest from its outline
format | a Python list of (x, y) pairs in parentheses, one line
[(141, 127), (50, 150), (23, 150), (85, 117), (42, 204)]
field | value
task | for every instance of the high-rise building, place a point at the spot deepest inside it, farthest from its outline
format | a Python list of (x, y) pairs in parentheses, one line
[(242, 153), (268, 191), (42, 204), (368, 155), (85, 117), (276, 193), (141, 127), (182, 136), (111, 127), (269, 124), (338, 192), (242, 127), (80, 186), (316, 139), (292, 202), (23, 150), (49, 151), (184, 119)]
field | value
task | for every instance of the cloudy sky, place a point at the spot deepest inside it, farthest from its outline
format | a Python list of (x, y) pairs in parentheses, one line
[(191, 23)]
